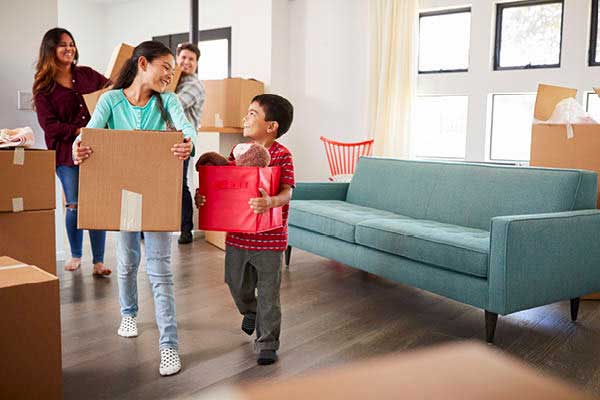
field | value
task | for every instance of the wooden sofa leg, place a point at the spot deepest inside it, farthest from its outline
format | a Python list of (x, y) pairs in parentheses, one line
[(288, 255), (490, 325), (574, 309)]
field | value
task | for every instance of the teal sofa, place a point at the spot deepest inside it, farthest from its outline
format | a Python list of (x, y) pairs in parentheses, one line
[(500, 238)]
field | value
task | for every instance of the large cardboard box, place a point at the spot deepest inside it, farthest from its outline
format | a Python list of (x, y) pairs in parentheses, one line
[(26, 180), (131, 182), (30, 343), (227, 101), (30, 236), (550, 144)]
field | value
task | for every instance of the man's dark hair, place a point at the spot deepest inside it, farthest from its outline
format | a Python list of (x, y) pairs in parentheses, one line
[(276, 109), (189, 46)]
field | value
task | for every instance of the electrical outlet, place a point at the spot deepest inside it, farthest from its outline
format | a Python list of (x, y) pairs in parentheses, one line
[(24, 100)]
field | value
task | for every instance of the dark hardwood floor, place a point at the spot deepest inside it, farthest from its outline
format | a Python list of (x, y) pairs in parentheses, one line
[(332, 315)]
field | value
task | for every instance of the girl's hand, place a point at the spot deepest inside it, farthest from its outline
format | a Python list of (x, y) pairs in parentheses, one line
[(183, 150), (261, 204), (80, 153)]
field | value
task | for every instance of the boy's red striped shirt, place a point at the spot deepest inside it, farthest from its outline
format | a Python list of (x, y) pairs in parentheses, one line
[(277, 239)]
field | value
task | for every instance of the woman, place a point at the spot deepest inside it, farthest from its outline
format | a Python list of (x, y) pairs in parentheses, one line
[(58, 88), (137, 102)]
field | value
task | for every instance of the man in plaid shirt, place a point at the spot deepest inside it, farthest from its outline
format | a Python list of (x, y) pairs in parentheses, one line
[(190, 91)]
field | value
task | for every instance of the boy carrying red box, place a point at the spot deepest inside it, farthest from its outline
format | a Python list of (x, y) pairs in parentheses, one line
[(253, 260)]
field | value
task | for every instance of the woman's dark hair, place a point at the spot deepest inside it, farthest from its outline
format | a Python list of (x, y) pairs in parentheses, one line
[(150, 50), (278, 109), (47, 64)]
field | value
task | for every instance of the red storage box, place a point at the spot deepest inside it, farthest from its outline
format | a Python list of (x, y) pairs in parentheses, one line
[(227, 191)]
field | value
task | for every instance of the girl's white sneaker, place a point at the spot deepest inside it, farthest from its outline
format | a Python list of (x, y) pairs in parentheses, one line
[(128, 327), (170, 363)]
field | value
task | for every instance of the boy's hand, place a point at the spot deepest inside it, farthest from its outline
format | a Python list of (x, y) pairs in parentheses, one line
[(260, 204), (199, 199)]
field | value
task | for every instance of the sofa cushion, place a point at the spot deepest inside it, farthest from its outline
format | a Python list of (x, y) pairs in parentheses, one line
[(453, 247), (333, 217)]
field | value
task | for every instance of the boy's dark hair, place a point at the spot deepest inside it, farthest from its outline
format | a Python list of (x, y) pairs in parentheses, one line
[(190, 47), (277, 109)]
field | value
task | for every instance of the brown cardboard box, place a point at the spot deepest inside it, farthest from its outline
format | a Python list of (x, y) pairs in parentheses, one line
[(91, 99), (30, 343), (27, 180), (132, 181), (229, 98), (217, 239), (29, 236), (119, 57)]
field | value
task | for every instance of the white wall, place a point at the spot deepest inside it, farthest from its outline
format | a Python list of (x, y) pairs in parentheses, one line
[(327, 80), (481, 80), (87, 21), (21, 30)]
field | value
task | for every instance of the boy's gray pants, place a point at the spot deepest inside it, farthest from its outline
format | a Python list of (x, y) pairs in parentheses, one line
[(247, 270)]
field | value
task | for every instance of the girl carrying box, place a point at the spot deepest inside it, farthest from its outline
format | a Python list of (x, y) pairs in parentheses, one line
[(138, 103)]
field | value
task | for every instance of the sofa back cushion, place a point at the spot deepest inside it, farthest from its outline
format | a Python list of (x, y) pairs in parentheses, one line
[(468, 194)]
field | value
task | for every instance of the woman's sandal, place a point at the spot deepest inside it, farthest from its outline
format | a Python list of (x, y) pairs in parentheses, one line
[(73, 264)]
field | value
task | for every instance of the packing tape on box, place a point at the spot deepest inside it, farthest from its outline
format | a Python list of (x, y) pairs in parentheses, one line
[(19, 156), (131, 211), (17, 204), (15, 266)]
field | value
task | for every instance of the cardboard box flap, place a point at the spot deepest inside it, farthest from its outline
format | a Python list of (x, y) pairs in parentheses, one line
[(119, 57), (91, 99), (548, 97), (7, 261), (24, 276)]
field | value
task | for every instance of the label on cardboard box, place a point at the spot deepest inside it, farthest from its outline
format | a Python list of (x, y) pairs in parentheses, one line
[(19, 157), (131, 211), (17, 204)]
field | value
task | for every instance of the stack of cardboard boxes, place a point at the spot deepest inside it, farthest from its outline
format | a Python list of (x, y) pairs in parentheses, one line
[(27, 202), (29, 292)]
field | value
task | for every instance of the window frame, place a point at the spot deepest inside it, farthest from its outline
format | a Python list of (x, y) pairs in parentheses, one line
[(500, 7), (593, 36), (491, 122), (172, 40), (438, 13)]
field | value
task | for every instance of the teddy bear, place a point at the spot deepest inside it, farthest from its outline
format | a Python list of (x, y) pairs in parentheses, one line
[(245, 154)]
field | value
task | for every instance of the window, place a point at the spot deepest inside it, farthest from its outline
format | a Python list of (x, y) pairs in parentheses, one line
[(444, 41), (441, 126), (512, 115), (528, 34), (215, 51), (594, 42), (592, 105)]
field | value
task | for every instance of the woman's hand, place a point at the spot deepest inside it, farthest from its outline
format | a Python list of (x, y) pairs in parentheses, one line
[(199, 199), (183, 150), (80, 153)]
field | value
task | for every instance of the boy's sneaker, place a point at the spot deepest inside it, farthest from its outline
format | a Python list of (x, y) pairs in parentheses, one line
[(249, 323), (267, 357), (170, 363), (128, 327)]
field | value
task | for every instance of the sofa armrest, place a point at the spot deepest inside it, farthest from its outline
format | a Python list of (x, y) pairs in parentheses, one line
[(543, 258), (320, 191)]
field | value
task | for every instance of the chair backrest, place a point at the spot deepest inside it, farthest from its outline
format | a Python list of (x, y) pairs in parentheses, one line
[(342, 157)]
